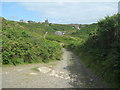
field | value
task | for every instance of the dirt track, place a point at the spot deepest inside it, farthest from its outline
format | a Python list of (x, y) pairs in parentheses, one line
[(70, 72)]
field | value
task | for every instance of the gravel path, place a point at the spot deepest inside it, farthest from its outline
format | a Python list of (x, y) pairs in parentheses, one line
[(67, 73)]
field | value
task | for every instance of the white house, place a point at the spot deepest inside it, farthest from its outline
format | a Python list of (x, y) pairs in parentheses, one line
[(59, 33)]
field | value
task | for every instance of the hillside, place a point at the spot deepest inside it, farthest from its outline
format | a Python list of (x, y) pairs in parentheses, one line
[(24, 42), (97, 44)]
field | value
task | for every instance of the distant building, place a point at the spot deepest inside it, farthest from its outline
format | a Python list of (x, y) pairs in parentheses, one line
[(46, 21), (59, 33), (22, 20), (76, 26), (31, 21)]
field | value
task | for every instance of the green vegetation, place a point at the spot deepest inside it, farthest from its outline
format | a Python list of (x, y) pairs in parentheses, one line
[(35, 68), (24, 43), (98, 44), (100, 48)]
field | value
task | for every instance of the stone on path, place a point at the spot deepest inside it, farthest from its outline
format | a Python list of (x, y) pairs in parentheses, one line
[(60, 75), (44, 69), (33, 73)]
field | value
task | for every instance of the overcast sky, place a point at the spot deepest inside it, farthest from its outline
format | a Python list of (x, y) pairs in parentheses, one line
[(59, 12)]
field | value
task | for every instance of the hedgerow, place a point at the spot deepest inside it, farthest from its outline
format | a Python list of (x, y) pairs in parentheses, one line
[(100, 48)]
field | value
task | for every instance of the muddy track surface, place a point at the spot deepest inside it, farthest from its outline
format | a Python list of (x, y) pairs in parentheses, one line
[(70, 72)]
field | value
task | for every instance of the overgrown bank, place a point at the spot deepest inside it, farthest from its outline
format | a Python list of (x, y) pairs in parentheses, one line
[(27, 43), (101, 48), (24, 43)]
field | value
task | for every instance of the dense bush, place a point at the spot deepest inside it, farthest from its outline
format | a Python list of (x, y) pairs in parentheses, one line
[(22, 45), (101, 48)]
